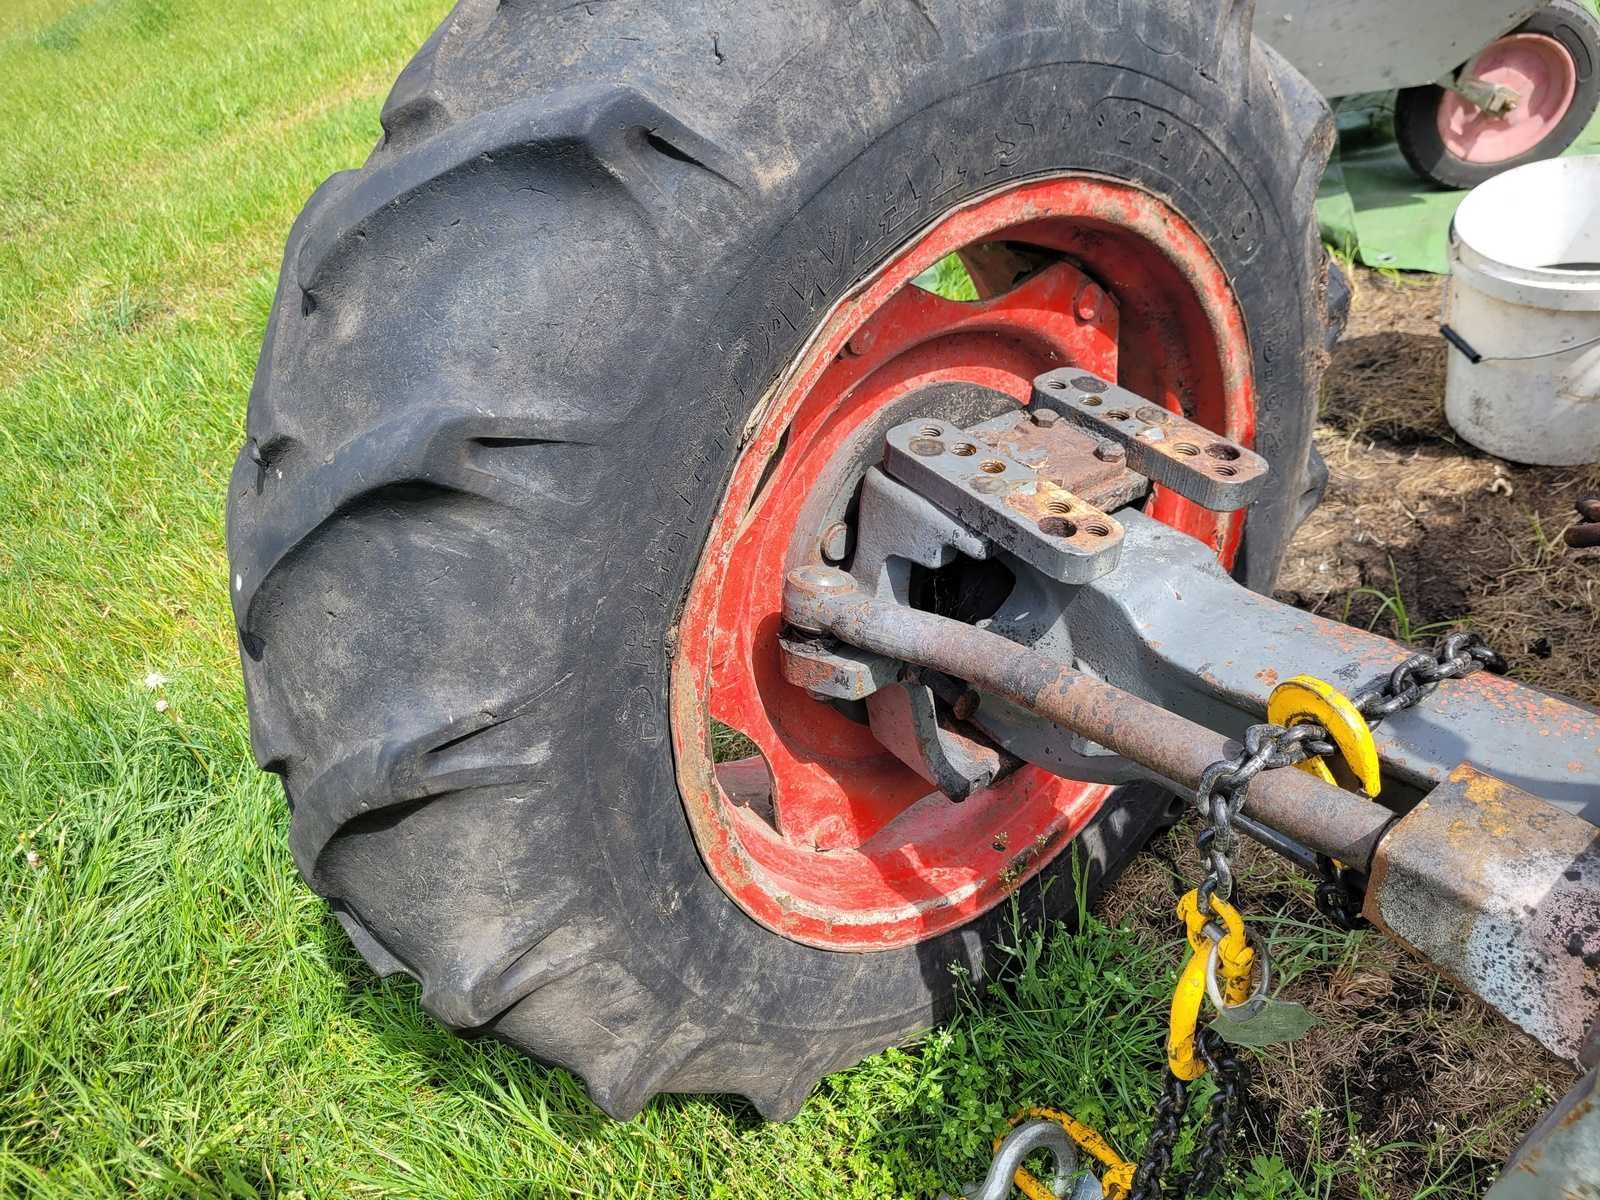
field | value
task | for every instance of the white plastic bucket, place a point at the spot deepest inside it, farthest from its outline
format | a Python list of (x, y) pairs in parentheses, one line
[(1525, 294)]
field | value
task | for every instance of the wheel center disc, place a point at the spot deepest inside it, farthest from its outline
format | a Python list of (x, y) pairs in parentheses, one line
[(812, 826), (1540, 70)]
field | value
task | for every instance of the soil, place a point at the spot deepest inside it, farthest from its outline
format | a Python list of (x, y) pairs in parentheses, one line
[(1419, 532), (1408, 1084)]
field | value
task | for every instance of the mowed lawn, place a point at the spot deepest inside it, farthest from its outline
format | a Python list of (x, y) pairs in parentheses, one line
[(178, 1016)]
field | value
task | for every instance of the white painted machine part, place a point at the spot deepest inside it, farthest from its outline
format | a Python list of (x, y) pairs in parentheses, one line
[(1349, 46)]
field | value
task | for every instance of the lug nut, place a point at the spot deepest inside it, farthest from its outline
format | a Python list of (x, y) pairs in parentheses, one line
[(1109, 451), (1044, 418), (836, 542), (1088, 302), (861, 343)]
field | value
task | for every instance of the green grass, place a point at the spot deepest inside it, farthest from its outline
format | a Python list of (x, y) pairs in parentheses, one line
[(178, 1014)]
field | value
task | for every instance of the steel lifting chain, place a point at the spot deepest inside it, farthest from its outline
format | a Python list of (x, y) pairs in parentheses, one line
[(1232, 1075), (1414, 680), (1219, 798), (1223, 945), (1266, 747)]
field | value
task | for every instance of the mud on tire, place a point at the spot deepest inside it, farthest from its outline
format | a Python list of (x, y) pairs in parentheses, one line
[(503, 385)]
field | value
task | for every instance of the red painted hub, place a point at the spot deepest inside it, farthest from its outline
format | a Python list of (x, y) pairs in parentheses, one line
[(825, 836)]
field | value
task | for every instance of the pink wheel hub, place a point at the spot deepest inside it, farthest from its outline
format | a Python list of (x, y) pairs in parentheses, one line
[(1539, 70)]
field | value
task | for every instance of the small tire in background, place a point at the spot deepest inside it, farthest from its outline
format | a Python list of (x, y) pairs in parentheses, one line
[(1553, 58)]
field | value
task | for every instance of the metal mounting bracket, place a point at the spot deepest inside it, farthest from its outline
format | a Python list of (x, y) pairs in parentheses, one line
[(1213, 471), (1004, 500)]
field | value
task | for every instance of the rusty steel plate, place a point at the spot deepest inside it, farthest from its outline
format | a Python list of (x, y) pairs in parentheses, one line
[(1009, 502), (1071, 458), (1501, 890), (1213, 471)]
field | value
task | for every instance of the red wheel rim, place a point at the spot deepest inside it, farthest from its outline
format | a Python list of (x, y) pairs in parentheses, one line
[(1540, 70), (826, 838)]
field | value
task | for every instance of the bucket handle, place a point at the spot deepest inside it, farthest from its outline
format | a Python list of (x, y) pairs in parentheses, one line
[(1474, 357)]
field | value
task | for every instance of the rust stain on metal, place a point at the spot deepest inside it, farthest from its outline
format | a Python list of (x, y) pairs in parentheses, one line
[(1501, 890), (1059, 514), (1064, 457), (1323, 817)]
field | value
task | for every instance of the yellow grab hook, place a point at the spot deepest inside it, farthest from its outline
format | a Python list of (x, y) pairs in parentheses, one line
[(1116, 1178), (1308, 700), (1235, 961)]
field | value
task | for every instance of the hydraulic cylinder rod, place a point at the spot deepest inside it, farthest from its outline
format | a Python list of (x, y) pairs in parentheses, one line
[(822, 600)]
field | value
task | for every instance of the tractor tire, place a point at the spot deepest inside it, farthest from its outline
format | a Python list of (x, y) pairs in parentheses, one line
[(1569, 25), (502, 389)]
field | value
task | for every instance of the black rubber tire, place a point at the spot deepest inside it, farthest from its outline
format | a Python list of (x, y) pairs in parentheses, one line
[(1416, 109), (502, 390)]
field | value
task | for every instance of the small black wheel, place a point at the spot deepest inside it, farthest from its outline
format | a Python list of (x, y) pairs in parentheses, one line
[(1549, 60)]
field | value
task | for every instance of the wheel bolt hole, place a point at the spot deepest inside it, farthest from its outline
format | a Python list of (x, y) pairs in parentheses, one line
[(1226, 472), (932, 431), (1223, 451), (927, 447), (1187, 449), (1117, 414), (1057, 385), (1097, 529), (990, 467), (1057, 527), (1059, 507), (964, 449), (1091, 401)]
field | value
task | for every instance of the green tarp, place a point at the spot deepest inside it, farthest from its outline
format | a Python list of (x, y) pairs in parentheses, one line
[(1373, 207)]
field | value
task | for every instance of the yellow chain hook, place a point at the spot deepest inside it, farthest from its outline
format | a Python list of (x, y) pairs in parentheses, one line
[(1116, 1179), (1235, 959), (1305, 700)]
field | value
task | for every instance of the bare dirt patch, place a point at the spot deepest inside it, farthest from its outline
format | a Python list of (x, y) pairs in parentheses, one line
[(1420, 532), (1409, 1085)]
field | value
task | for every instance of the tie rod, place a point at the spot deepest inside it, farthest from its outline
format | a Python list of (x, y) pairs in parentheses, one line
[(824, 601)]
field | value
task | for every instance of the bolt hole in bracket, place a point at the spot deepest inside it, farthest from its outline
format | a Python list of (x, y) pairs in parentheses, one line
[(1165, 447), (1004, 500), (1037, 487)]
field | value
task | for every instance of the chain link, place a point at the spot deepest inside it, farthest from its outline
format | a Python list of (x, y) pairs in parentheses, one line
[(1219, 798), (1339, 894), (1157, 1158), (1232, 1075), (1413, 681), (1224, 784)]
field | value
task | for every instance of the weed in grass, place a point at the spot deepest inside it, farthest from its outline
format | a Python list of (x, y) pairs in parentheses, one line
[(1391, 603)]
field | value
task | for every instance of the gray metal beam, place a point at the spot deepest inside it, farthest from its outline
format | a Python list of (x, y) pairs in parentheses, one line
[(1171, 626)]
